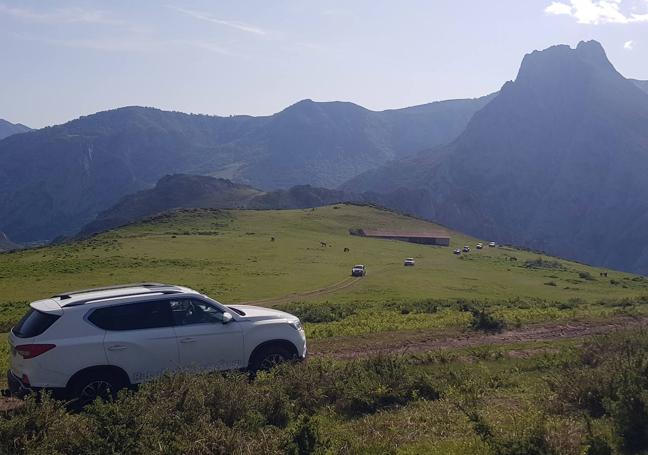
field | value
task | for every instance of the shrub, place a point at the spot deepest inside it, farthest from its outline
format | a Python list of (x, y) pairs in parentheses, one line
[(611, 379), (586, 276), (531, 438), (428, 306), (484, 321), (277, 412), (540, 263), (307, 439), (317, 313)]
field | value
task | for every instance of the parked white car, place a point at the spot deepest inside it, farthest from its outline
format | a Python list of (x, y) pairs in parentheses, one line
[(409, 262), (358, 270), (94, 342)]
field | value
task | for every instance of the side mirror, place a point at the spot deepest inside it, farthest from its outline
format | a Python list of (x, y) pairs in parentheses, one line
[(227, 317)]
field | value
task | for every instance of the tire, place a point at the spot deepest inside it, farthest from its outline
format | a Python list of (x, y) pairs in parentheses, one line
[(269, 356), (92, 385)]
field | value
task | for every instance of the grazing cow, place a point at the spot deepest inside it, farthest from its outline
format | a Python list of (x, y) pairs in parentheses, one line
[(322, 243), (346, 250), (272, 239)]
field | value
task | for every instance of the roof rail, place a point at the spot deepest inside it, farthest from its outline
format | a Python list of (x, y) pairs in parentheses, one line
[(68, 295), (121, 296)]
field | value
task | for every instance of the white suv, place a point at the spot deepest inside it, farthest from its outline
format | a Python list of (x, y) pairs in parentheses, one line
[(93, 342)]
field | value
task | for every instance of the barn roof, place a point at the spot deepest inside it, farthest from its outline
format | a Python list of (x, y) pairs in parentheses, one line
[(439, 234)]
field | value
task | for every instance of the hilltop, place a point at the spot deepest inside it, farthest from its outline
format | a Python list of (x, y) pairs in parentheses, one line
[(182, 191)]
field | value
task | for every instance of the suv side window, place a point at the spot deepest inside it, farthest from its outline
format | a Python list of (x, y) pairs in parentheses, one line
[(133, 316), (194, 311)]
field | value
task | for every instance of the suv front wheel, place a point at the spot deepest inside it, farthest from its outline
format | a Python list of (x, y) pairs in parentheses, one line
[(269, 356)]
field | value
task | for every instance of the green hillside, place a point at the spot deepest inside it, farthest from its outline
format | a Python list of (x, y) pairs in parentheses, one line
[(230, 256), (471, 354)]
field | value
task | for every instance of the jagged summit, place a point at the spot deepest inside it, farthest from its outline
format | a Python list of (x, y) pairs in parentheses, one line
[(565, 63)]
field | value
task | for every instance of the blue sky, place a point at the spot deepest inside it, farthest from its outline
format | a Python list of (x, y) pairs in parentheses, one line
[(63, 59)]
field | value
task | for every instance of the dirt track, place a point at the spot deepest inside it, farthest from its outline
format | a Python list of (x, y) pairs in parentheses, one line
[(297, 296), (417, 342)]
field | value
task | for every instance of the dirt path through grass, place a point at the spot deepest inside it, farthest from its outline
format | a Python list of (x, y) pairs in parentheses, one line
[(306, 295), (423, 341)]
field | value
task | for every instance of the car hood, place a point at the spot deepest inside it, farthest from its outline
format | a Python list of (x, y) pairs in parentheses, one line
[(259, 313)]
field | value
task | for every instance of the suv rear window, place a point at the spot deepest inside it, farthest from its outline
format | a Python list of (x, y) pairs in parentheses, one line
[(34, 323), (133, 316)]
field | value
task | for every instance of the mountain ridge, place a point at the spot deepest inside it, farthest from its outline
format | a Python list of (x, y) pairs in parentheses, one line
[(58, 178)]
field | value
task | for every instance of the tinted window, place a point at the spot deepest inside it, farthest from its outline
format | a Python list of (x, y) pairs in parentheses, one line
[(133, 316), (33, 324), (192, 311)]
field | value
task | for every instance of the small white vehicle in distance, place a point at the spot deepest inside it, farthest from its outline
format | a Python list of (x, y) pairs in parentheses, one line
[(479, 246), (466, 249), (492, 244), (358, 270), (91, 343), (409, 262)]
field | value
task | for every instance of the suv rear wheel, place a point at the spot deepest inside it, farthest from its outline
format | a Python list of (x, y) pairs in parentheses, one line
[(92, 385)]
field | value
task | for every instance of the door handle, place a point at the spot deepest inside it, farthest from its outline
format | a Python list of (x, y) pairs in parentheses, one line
[(188, 340), (117, 347)]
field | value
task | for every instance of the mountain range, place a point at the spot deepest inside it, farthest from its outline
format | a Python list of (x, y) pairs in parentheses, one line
[(8, 128), (57, 179), (557, 161)]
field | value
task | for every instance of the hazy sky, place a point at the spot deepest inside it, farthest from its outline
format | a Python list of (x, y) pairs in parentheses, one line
[(63, 59)]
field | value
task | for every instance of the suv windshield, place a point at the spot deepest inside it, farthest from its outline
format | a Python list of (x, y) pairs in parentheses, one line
[(34, 323)]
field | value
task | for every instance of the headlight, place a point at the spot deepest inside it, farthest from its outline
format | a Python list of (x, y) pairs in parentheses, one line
[(297, 325)]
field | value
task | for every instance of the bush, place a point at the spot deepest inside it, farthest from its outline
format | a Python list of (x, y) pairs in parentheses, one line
[(275, 413), (586, 276), (543, 264), (484, 321), (611, 379), (317, 313), (531, 438), (307, 439), (428, 306)]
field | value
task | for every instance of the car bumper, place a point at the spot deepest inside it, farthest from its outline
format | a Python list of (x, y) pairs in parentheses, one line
[(16, 386)]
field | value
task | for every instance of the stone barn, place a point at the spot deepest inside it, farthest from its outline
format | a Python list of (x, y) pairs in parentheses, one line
[(440, 238)]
